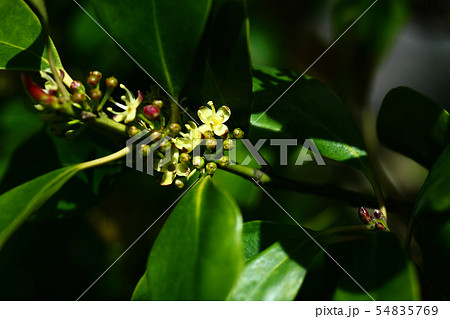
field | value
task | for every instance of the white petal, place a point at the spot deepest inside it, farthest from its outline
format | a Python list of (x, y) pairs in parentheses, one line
[(182, 169), (168, 178), (191, 126), (224, 113), (205, 114), (221, 130), (183, 143), (131, 116), (158, 165), (175, 155), (205, 127)]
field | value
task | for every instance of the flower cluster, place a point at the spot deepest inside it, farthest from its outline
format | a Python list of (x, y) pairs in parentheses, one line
[(178, 151), (194, 149), (375, 222)]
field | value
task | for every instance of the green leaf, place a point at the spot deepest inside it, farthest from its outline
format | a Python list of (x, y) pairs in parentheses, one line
[(161, 36), (380, 266), (141, 292), (433, 197), (222, 69), (198, 254), (413, 125), (309, 110), (431, 222), (277, 273), (259, 235), (22, 39), (20, 202)]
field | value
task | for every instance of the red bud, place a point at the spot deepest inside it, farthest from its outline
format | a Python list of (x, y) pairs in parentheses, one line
[(380, 226), (364, 215), (36, 92)]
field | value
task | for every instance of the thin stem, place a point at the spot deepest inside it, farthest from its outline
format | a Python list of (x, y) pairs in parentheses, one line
[(350, 197), (174, 112), (104, 160)]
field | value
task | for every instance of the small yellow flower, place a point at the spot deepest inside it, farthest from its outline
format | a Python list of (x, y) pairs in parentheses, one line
[(214, 120), (50, 84), (171, 168), (189, 140), (129, 109)]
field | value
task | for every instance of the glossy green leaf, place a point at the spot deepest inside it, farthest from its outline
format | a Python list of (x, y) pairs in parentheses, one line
[(222, 69), (380, 266), (309, 110), (431, 224), (413, 125), (277, 273), (22, 39), (198, 254), (141, 292), (20, 202), (161, 36), (259, 235)]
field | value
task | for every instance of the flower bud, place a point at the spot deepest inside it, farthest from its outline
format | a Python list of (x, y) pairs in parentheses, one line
[(238, 133), (208, 134), (78, 97), (165, 144), (133, 130), (95, 94), (76, 85), (111, 82), (364, 216), (211, 168), (174, 128), (380, 226), (211, 143), (155, 135), (198, 162), (92, 80), (151, 112), (378, 214), (97, 74), (158, 103), (145, 150), (185, 157), (178, 183), (36, 92), (228, 144), (224, 161)]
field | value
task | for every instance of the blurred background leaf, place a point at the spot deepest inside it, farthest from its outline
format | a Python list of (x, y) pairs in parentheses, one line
[(222, 68), (431, 224), (414, 125), (156, 35), (380, 266)]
